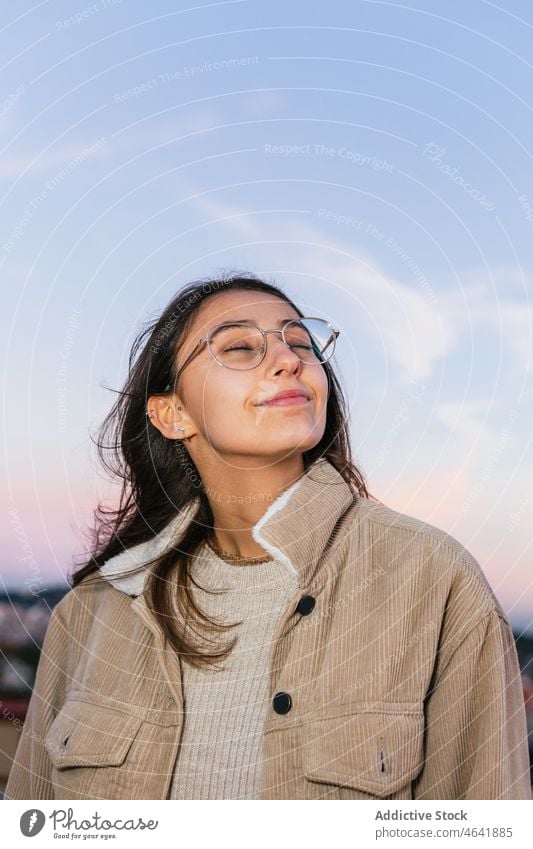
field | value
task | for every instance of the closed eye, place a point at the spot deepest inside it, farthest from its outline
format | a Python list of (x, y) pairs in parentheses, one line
[(239, 348)]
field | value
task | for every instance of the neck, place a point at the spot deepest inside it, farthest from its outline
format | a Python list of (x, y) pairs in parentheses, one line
[(240, 497)]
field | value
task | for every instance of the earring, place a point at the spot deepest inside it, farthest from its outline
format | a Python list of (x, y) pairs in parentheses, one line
[(177, 427)]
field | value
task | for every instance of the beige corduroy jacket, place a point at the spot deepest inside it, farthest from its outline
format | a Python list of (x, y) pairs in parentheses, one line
[(403, 678)]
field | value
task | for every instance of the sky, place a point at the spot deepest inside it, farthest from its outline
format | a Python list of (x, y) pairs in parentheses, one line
[(372, 158)]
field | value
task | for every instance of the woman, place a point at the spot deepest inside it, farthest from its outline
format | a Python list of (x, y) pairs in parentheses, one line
[(368, 657)]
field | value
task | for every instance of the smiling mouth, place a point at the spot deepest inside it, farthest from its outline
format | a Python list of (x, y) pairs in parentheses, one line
[(288, 401)]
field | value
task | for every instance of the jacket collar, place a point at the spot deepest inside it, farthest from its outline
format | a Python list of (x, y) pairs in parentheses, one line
[(295, 529)]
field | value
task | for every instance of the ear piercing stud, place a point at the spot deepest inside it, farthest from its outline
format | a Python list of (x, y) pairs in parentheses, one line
[(150, 413), (177, 427)]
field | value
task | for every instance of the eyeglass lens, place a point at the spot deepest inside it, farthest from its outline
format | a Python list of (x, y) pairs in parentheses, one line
[(241, 346)]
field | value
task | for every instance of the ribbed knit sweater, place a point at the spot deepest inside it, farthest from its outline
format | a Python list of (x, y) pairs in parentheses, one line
[(219, 755)]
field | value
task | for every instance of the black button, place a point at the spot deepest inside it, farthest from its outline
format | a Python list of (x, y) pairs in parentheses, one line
[(305, 605), (282, 703)]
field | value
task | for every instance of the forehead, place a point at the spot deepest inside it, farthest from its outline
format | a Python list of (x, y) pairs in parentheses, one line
[(263, 308)]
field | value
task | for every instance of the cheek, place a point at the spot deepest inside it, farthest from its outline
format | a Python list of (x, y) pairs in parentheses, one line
[(319, 383), (220, 398)]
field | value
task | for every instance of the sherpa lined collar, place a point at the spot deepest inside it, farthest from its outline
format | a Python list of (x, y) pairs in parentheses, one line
[(295, 529)]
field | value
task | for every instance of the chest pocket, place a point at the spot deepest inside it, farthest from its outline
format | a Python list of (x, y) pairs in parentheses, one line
[(93, 751), (98, 751), (85, 734), (374, 753)]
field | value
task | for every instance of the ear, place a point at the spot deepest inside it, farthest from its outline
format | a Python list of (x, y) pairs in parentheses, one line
[(166, 414)]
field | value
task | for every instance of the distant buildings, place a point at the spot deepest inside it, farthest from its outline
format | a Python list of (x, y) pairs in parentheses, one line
[(23, 622)]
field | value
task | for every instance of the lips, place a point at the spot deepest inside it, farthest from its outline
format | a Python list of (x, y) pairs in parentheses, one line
[(288, 393)]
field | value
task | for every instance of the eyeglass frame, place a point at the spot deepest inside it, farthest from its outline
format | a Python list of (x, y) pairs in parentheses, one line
[(245, 323)]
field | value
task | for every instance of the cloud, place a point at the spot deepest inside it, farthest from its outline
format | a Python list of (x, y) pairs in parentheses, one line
[(140, 137), (466, 418), (418, 323), (497, 301), (517, 320), (263, 104), (414, 331)]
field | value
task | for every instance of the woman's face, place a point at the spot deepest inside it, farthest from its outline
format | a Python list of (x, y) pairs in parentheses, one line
[(224, 409)]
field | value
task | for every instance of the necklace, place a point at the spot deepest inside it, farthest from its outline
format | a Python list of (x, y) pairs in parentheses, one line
[(237, 559)]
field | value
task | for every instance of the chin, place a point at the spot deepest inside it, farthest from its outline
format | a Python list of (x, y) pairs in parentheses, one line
[(283, 438), (290, 447)]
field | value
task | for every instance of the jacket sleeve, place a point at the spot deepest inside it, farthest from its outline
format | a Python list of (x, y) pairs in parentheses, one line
[(476, 736), (29, 777)]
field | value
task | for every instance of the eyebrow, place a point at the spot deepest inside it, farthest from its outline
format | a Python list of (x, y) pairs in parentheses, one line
[(281, 322)]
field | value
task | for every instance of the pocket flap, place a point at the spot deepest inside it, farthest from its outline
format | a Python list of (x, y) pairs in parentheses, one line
[(376, 752), (85, 734)]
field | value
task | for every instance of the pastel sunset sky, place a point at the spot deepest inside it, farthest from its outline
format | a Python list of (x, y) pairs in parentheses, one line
[(372, 158)]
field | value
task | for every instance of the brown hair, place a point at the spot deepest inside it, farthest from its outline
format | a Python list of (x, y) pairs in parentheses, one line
[(156, 487)]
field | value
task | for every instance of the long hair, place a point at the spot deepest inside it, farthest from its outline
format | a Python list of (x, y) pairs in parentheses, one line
[(159, 478)]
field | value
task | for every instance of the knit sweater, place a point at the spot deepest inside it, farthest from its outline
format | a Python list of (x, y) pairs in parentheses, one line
[(219, 755)]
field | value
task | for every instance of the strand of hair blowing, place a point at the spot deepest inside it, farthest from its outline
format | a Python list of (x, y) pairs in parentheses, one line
[(156, 474)]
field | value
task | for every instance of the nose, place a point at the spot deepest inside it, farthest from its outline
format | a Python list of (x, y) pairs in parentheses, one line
[(280, 353)]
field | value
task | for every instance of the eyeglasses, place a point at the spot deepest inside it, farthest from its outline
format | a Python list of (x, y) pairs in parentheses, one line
[(242, 345)]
